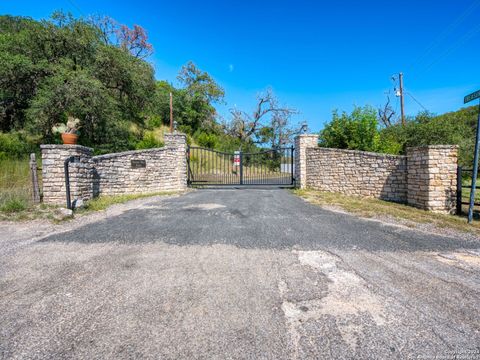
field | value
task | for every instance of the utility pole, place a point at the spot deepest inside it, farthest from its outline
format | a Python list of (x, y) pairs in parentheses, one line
[(171, 113), (402, 111)]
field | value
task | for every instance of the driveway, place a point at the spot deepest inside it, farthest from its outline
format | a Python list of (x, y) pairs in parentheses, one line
[(241, 274)]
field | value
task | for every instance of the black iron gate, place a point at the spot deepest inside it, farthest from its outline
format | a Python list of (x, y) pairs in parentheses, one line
[(267, 167)]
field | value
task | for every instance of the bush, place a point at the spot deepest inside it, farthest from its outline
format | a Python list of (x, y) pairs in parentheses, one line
[(15, 145), (207, 140), (153, 121), (355, 131), (14, 204), (149, 141)]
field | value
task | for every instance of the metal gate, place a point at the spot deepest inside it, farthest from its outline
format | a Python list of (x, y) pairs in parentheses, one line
[(267, 167)]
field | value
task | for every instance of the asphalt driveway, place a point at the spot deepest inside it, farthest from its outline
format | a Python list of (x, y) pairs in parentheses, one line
[(240, 274)]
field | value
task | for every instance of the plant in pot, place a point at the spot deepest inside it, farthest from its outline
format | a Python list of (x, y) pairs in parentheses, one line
[(69, 131)]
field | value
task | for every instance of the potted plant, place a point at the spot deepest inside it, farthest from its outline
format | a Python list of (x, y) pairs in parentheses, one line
[(69, 131)]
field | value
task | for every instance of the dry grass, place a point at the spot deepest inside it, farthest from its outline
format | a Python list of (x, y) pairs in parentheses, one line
[(16, 193), (15, 186), (374, 208)]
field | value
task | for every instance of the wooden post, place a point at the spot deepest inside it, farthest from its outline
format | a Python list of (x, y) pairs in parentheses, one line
[(35, 186), (402, 110)]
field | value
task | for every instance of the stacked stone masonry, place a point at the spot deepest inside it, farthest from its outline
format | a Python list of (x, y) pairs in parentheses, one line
[(53, 178), (424, 178), (164, 169), (432, 177), (357, 173), (302, 143)]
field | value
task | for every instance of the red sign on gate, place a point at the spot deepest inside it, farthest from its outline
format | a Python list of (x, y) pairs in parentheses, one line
[(236, 158)]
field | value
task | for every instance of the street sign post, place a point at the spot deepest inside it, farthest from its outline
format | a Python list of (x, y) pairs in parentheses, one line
[(468, 98)]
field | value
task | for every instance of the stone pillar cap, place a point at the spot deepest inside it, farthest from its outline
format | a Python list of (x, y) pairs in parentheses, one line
[(66, 147)]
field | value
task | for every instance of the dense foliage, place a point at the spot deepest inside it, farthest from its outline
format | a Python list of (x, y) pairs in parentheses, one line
[(96, 70), (92, 70), (360, 130), (52, 69)]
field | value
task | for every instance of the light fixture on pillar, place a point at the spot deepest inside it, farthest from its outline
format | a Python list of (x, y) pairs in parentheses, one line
[(303, 128)]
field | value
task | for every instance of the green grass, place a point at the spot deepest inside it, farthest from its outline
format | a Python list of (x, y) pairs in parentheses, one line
[(15, 185), (14, 204), (374, 208), (103, 202), (16, 195), (16, 192)]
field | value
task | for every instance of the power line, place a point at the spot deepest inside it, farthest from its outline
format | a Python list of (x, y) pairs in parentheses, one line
[(76, 7), (437, 41), (418, 102), (454, 46)]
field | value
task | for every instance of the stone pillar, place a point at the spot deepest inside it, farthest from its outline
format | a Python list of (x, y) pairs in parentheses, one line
[(432, 177), (302, 142), (178, 142), (53, 176)]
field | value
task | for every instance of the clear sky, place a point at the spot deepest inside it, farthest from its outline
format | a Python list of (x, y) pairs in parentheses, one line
[(316, 55)]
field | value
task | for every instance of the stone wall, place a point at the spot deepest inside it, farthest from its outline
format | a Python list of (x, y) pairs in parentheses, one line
[(165, 169), (432, 177), (302, 142), (53, 178), (130, 172), (357, 173), (424, 178)]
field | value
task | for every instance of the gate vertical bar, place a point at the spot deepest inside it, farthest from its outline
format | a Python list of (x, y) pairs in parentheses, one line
[(189, 180), (241, 168), (291, 165)]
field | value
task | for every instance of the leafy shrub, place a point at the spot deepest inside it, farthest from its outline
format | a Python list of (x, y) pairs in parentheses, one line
[(207, 140), (153, 121), (15, 145), (149, 141), (14, 204), (356, 131)]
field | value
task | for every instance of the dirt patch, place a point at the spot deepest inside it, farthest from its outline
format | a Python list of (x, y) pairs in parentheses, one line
[(208, 206), (469, 258)]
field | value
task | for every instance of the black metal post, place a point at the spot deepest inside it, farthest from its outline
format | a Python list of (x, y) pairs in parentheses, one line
[(67, 180), (475, 169), (241, 168), (459, 190), (189, 171), (292, 165)]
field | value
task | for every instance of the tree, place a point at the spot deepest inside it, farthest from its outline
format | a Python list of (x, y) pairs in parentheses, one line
[(200, 84), (133, 40), (73, 93), (386, 113), (269, 122), (193, 108), (30, 52), (129, 80), (63, 66), (357, 131)]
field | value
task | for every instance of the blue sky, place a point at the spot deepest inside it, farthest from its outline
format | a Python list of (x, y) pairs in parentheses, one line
[(316, 55)]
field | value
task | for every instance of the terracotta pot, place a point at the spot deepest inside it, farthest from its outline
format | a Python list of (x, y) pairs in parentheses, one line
[(69, 139)]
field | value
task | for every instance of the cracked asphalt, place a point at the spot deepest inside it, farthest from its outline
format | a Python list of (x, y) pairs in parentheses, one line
[(239, 274)]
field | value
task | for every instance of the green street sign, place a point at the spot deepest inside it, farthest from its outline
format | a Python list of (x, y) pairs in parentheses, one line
[(471, 97)]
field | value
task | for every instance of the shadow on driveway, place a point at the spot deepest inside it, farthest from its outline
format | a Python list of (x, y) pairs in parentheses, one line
[(254, 218)]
